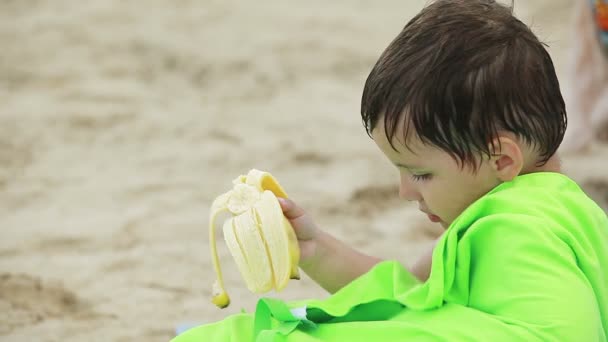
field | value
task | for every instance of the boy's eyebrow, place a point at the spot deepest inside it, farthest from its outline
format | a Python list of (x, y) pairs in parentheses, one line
[(407, 166)]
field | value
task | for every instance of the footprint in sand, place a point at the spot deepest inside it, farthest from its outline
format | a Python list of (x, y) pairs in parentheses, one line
[(225, 137), (14, 156), (310, 158), (367, 201), (28, 300), (373, 199)]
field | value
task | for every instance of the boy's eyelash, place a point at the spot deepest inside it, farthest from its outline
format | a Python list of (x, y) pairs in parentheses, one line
[(418, 178)]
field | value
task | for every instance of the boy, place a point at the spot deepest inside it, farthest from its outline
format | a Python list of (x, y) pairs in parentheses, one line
[(466, 104)]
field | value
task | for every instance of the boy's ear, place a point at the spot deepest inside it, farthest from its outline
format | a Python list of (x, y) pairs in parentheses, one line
[(507, 159)]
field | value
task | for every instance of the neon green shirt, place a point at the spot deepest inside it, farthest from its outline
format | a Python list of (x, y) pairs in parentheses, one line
[(526, 262)]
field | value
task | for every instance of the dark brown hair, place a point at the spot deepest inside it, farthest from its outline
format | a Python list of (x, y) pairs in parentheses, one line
[(459, 72)]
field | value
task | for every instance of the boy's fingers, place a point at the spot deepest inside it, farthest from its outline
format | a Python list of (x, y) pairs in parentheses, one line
[(290, 209), (285, 203), (302, 224)]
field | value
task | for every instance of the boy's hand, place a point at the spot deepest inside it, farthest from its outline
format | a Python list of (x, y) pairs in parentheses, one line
[(325, 259), (306, 230)]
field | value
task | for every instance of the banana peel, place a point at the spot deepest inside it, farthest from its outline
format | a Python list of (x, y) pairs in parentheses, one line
[(259, 237)]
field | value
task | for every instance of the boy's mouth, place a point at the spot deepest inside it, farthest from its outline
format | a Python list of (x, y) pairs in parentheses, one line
[(434, 218)]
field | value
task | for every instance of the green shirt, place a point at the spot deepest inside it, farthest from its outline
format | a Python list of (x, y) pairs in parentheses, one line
[(526, 262)]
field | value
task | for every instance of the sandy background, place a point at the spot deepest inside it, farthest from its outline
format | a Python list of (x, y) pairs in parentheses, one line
[(120, 122)]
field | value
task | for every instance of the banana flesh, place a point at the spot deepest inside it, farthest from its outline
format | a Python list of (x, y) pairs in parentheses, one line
[(259, 237)]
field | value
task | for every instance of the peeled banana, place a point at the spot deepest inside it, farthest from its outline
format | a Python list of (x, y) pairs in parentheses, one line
[(260, 239)]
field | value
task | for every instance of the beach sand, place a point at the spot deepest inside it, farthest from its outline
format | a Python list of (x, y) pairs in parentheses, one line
[(120, 123)]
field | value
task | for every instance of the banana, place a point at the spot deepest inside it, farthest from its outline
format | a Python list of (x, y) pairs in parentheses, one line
[(259, 237)]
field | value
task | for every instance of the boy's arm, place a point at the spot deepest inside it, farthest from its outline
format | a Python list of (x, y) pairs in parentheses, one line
[(335, 264)]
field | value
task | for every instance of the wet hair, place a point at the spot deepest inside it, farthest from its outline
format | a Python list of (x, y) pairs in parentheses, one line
[(460, 72)]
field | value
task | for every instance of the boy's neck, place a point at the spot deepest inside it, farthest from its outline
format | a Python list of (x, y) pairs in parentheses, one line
[(554, 164)]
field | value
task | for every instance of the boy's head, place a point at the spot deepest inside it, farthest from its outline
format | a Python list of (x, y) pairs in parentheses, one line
[(469, 81)]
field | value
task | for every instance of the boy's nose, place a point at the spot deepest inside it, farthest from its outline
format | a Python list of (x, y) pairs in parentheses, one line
[(407, 191)]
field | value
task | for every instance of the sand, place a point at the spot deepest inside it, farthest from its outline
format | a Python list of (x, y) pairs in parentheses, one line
[(120, 123)]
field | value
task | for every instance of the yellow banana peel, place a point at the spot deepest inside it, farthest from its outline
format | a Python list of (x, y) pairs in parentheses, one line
[(259, 237)]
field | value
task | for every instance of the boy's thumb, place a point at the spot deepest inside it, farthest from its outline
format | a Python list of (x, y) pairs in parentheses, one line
[(290, 209)]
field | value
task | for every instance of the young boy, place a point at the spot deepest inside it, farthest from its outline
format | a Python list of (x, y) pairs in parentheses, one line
[(466, 104)]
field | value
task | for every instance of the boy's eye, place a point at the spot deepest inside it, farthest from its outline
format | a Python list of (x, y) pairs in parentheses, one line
[(423, 177)]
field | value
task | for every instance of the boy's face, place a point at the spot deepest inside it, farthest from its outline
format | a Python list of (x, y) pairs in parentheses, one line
[(434, 179)]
